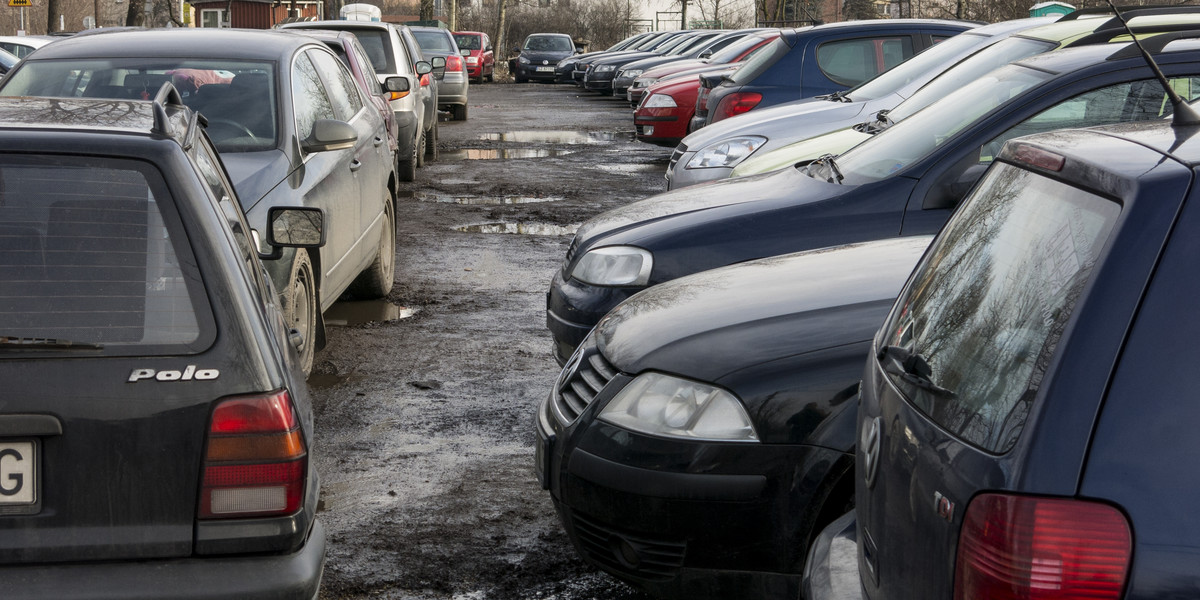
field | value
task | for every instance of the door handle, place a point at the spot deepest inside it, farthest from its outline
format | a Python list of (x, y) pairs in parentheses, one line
[(355, 165), (378, 140)]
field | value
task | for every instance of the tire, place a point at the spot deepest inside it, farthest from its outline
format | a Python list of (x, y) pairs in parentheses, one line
[(406, 168), (521, 79), (460, 112), (300, 308), (420, 150), (431, 144), (376, 280)]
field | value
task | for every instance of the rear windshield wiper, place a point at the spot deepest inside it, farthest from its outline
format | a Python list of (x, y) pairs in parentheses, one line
[(835, 174), (10, 343), (912, 368)]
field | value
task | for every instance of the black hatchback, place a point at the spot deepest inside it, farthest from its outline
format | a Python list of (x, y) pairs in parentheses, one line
[(1025, 427), (154, 423)]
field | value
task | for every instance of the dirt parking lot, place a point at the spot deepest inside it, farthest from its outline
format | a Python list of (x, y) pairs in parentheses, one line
[(424, 403)]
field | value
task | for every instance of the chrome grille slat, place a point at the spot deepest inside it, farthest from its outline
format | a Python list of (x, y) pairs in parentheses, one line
[(572, 396)]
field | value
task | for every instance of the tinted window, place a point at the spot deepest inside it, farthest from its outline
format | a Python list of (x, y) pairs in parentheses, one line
[(91, 252), (549, 43), (435, 41), (370, 77), (919, 66), (467, 41), (343, 92), (987, 306), (736, 49), (375, 43), (308, 96), (761, 61), (851, 62)]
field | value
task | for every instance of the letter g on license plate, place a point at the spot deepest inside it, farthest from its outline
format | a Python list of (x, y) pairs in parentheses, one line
[(18, 474)]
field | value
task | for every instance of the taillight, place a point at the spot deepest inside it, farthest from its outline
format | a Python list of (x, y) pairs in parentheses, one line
[(425, 80), (1016, 547), (735, 104), (454, 63), (255, 460), (702, 100)]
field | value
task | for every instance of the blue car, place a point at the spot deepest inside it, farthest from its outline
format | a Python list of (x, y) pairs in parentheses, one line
[(812, 61)]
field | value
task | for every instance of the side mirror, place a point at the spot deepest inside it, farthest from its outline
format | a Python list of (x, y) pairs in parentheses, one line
[(424, 67), (438, 62), (488, 49), (579, 51), (516, 49), (330, 134), (396, 84), (465, 52), (294, 227), (706, 54)]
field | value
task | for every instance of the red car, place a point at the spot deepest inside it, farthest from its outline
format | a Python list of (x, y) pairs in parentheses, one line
[(476, 49), (667, 107), (735, 52)]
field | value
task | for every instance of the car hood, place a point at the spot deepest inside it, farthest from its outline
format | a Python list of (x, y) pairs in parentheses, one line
[(766, 160), (255, 173), (778, 120), (678, 67), (711, 324)]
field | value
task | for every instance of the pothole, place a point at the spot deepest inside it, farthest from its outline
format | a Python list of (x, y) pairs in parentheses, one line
[(358, 312), (519, 228), (560, 137), (328, 380), (430, 196), (501, 153)]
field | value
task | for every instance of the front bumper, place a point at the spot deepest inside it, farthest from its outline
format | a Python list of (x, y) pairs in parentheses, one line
[(662, 126), (573, 308), (539, 72), (831, 571), (296, 575), (598, 82)]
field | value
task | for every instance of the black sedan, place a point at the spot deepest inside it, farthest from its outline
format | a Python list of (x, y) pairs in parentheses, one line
[(704, 432), (156, 428), (1027, 418), (906, 180), (540, 54), (292, 126)]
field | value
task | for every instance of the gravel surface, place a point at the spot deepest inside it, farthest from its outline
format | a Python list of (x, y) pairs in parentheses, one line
[(424, 403)]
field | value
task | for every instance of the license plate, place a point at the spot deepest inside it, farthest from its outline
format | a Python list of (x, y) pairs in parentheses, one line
[(18, 474), (545, 69)]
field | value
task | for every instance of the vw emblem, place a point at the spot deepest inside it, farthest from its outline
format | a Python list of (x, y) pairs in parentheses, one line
[(870, 444), (564, 378), (545, 62)]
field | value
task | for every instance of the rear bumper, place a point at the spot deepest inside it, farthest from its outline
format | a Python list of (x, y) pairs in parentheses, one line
[(831, 571), (264, 577)]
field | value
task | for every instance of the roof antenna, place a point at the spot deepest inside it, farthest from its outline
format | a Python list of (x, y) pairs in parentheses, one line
[(1182, 112)]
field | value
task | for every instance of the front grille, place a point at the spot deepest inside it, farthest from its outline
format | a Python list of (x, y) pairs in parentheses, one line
[(586, 374), (634, 556), (680, 150), (571, 249)]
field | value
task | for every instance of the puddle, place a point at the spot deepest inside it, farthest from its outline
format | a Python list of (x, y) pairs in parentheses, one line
[(328, 380), (520, 228), (483, 200), (631, 168), (498, 153), (342, 314), (560, 137)]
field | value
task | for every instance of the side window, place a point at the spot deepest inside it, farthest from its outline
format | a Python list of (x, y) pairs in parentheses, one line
[(369, 73), (343, 91), (222, 192), (851, 62), (308, 96)]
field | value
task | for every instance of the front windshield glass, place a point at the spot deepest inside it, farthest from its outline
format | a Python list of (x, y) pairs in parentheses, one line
[(731, 52), (972, 68), (672, 44), (912, 139), (651, 41), (467, 41), (761, 61), (892, 80), (237, 97), (549, 43), (691, 44)]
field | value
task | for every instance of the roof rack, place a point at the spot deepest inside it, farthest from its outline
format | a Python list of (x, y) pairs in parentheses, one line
[(1156, 43), (167, 94)]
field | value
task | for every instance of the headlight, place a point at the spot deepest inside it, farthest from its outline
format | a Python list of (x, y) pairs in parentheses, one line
[(605, 68), (659, 101), (631, 73), (614, 265), (663, 405), (726, 153), (523, 60), (644, 82)]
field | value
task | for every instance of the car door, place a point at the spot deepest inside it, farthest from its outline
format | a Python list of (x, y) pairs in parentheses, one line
[(327, 179)]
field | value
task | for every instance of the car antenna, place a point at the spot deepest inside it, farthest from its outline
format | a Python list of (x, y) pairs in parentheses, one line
[(1182, 112)]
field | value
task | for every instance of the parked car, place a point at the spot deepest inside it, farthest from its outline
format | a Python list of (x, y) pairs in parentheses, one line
[(20, 45), (904, 181), (1050, 460), (564, 70), (734, 52), (476, 48), (347, 48), (653, 45), (453, 86), (699, 50), (725, 400), (7, 61), (391, 55), (667, 107), (304, 135), (716, 150), (604, 75), (157, 427), (821, 60), (539, 54)]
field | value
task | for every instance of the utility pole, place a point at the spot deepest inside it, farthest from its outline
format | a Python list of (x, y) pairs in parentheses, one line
[(683, 14)]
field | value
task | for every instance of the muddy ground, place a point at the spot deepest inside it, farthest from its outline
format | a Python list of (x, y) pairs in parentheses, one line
[(425, 403)]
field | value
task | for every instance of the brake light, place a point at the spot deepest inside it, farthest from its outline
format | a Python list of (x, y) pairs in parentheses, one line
[(702, 100), (425, 80), (1039, 158), (255, 461), (1015, 547), (454, 63), (735, 104)]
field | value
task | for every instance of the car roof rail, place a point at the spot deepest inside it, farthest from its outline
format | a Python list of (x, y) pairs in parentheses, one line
[(1155, 44), (1105, 35), (1182, 115)]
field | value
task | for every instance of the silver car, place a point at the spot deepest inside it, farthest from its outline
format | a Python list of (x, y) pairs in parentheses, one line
[(452, 80)]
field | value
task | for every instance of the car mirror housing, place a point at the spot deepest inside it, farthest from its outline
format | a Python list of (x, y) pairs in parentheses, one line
[(579, 51), (424, 67), (396, 84), (438, 62), (330, 134), (294, 227)]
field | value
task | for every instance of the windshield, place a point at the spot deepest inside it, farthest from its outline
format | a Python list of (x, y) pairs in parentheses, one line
[(673, 43), (731, 52), (891, 81), (692, 44), (434, 41), (467, 42), (972, 68), (549, 43), (912, 139), (761, 61), (237, 97)]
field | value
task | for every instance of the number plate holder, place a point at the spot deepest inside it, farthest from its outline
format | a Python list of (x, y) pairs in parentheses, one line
[(20, 477)]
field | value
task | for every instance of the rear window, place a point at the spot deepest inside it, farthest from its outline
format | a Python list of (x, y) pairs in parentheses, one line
[(435, 41), (851, 62), (761, 61), (91, 254), (375, 43), (987, 307), (468, 42)]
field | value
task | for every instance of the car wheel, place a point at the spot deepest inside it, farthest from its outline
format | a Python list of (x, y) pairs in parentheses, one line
[(376, 280), (300, 308), (407, 168), (460, 112), (521, 79), (420, 149), (431, 144), (491, 76)]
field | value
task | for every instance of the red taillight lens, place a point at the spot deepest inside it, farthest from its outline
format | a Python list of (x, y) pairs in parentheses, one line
[(454, 63), (702, 99), (1015, 547), (425, 80), (736, 104), (255, 461)]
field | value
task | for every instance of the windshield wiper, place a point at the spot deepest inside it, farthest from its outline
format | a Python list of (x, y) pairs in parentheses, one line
[(912, 368), (29, 343), (838, 96), (835, 174), (880, 123)]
